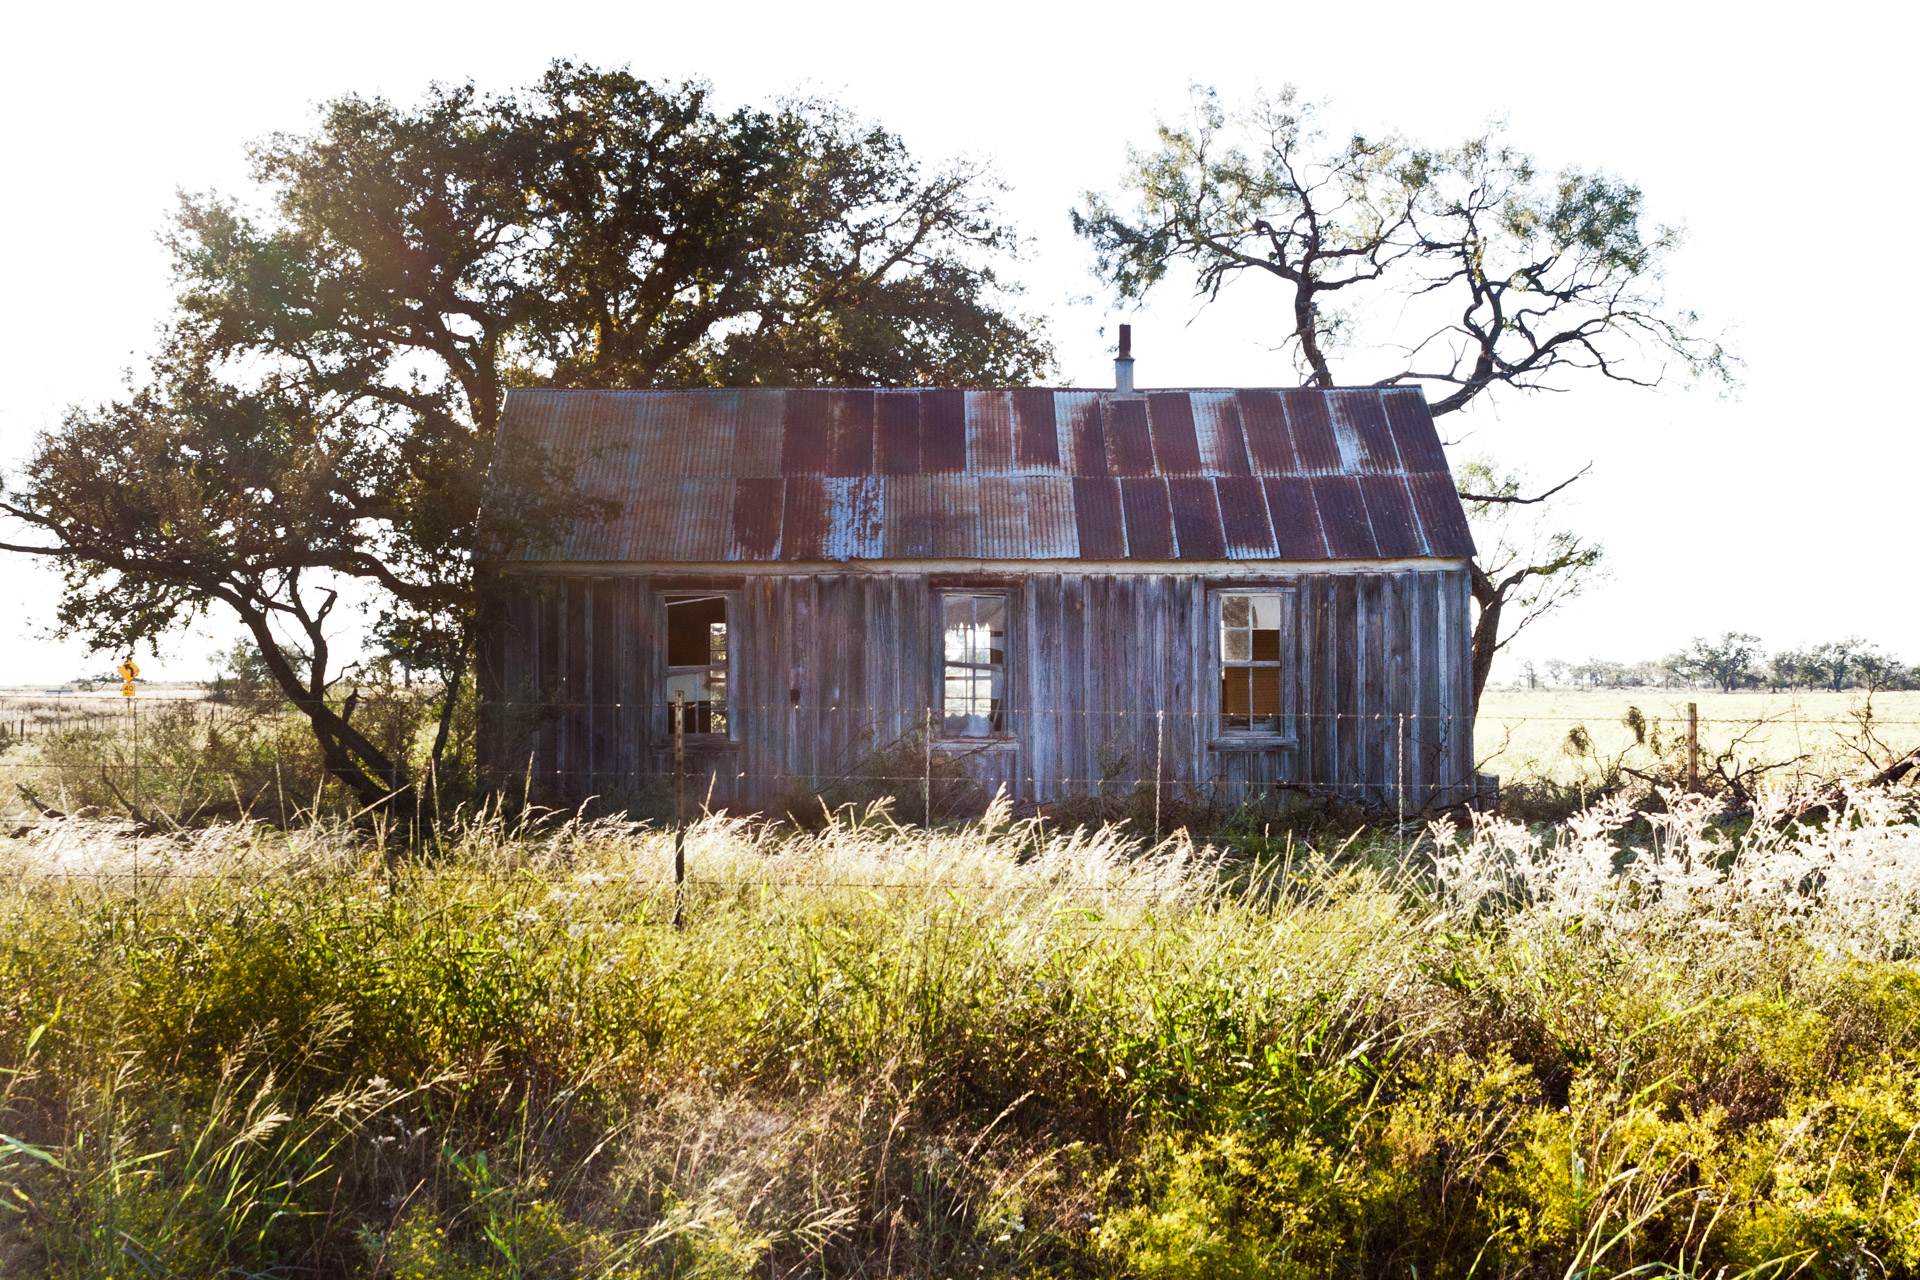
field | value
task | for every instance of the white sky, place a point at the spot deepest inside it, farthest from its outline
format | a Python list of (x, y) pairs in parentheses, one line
[(1780, 137)]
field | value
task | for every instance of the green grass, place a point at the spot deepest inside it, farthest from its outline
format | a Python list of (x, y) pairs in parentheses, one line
[(1524, 732), (991, 1051)]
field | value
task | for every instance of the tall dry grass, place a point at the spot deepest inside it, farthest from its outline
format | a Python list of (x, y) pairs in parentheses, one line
[(996, 1049)]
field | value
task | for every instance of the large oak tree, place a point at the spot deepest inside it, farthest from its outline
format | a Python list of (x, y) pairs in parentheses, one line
[(1466, 270), (321, 418)]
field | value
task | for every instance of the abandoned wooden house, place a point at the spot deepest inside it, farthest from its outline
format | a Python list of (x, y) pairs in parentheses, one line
[(1058, 591)]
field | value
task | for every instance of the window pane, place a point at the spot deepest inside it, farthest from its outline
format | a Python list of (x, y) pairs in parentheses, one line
[(717, 643), (1235, 698), (1234, 611), (1264, 698), (1234, 646), (690, 626), (959, 633), (1266, 612)]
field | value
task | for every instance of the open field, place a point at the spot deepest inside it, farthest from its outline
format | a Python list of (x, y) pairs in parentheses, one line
[(989, 1051), (1522, 731)]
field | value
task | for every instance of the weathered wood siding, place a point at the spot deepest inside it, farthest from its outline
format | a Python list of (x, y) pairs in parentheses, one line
[(1109, 680)]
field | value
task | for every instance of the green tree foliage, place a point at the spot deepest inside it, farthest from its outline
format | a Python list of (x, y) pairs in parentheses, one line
[(1729, 662), (319, 425)]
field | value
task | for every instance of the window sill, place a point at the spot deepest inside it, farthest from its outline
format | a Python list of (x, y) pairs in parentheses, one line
[(1253, 742)]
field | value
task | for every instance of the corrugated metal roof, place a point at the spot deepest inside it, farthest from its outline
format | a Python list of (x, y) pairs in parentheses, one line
[(1021, 474)]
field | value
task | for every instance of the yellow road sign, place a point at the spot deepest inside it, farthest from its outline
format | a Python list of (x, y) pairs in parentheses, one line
[(128, 671), (126, 690)]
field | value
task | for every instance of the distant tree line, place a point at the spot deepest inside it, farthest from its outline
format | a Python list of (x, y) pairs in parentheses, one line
[(1735, 661)]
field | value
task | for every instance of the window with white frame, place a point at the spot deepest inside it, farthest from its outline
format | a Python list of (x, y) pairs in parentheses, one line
[(1253, 631), (697, 662), (974, 665)]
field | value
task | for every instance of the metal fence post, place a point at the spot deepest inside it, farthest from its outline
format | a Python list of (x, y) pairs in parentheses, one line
[(1400, 780), (679, 808), (926, 778)]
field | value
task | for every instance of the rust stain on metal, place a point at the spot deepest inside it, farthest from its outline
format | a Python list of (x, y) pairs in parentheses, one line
[(1036, 438), (1361, 415), (1196, 518), (1098, 522), (757, 516), (1390, 513), (806, 433), (1223, 446), (1086, 432), (1413, 430), (1149, 518), (854, 521), (1315, 446), (1243, 516), (897, 432), (1263, 419), (989, 432), (1343, 516), (851, 434), (803, 532), (1176, 449), (1297, 529), (1129, 441), (943, 431), (1441, 518)]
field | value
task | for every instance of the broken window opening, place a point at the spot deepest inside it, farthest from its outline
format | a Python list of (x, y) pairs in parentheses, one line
[(974, 671), (1250, 664), (697, 662)]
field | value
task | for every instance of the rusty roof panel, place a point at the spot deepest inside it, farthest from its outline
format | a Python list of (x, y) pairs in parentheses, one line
[(1243, 517), (1390, 511), (1052, 531), (1263, 419), (1441, 517), (989, 432), (1085, 426), (756, 437), (1413, 431), (907, 511), (1366, 418), (956, 518), (1101, 529), (1196, 518), (854, 524), (897, 432), (708, 434), (1315, 445), (1176, 449), (803, 530), (851, 434), (1297, 529), (1149, 518), (1343, 517), (1129, 442), (1036, 440), (703, 529), (757, 516), (1216, 423), (1003, 518), (963, 475), (943, 431), (806, 433)]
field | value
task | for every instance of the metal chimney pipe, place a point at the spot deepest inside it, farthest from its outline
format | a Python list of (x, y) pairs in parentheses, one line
[(1123, 363)]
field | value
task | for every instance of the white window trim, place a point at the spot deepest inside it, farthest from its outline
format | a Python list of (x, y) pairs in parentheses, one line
[(940, 734), (1220, 735)]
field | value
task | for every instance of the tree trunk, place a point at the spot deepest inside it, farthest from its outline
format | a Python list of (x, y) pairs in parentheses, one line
[(1486, 629)]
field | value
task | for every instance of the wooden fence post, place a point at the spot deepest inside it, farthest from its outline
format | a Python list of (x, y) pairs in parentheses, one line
[(1693, 746)]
